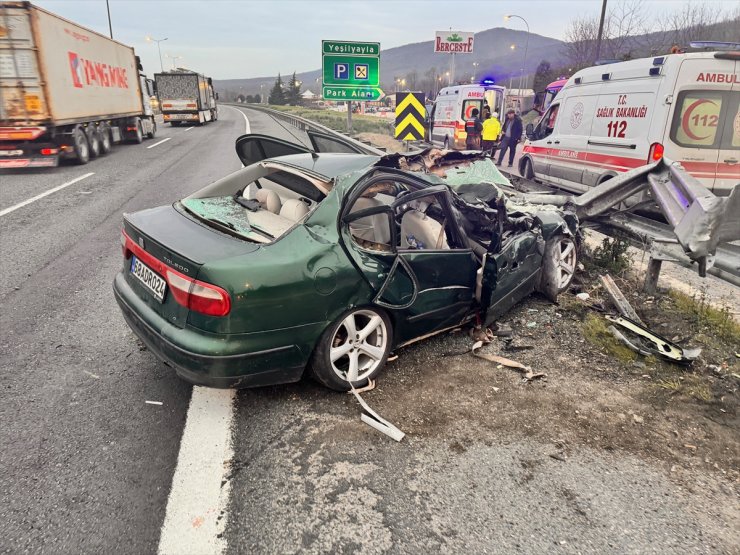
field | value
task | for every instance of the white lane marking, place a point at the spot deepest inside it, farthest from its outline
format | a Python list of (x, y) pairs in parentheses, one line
[(45, 193), (196, 508), (154, 403), (189, 129), (160, 142), (247, 127)]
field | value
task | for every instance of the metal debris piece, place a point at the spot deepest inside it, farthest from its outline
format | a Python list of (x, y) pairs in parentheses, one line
[(526, 371), (369, 387), (373, 419), (664, 348), (619, 336), (619, 300)]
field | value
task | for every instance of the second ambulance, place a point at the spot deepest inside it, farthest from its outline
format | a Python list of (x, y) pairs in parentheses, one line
[(612, 118)]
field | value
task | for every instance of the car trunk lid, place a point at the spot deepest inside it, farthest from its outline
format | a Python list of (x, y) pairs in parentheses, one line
[(165, 240)]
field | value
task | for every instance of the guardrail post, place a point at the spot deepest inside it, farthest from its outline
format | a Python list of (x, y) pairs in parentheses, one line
[(651, 277)]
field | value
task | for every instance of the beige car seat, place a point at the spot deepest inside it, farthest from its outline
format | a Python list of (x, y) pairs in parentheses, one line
[(294, 209), (269, 200), (419, 231), (370, 228)]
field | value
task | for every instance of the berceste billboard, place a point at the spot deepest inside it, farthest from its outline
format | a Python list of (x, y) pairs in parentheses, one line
[(454, 42)]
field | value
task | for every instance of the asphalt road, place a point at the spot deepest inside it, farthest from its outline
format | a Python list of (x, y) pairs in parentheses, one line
[(87, 464)]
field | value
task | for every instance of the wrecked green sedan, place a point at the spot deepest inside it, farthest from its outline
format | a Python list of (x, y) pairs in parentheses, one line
[(307, 260)]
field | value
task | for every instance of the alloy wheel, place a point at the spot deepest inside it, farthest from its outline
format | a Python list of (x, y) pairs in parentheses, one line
[(566, 262), (358, 345)]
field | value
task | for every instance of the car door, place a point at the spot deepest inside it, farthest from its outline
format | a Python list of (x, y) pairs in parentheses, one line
[(511, 271), (254, 148), (323, 142), (425, 288)]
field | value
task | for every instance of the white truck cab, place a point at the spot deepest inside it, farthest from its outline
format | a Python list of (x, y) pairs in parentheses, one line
[(612, 118), (454, 106)]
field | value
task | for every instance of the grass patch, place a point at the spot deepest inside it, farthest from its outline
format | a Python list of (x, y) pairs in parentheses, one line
[(719, 322), (688, 386), (596, 331), (338, 120), (611, 256)]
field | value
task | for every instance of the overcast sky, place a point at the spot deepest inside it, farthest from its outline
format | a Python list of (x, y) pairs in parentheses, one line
[(253, 38)]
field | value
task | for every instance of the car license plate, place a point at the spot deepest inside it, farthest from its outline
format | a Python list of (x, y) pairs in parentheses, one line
[(154, 284)]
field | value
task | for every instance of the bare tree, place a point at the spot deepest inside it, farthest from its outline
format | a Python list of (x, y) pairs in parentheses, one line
[(626, 21), (580, 45), (694, 22)]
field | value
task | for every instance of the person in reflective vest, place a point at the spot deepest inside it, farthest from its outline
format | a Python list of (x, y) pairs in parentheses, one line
[(491, 131), (473, 128)]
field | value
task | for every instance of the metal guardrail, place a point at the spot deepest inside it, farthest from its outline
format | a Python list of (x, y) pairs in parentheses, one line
[(304, 124), (658, 239)]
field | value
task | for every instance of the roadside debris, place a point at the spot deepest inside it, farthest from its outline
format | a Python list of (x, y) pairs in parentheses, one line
[(618, 299), (526, 371), (373, 419), (662, 347)]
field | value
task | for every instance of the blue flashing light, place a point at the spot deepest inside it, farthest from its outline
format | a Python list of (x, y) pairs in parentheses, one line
[(487, 81)]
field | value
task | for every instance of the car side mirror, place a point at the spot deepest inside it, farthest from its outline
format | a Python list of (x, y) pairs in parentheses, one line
[(530, 131)]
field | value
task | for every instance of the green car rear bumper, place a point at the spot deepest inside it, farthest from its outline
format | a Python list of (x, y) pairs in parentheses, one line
[(223, 361)]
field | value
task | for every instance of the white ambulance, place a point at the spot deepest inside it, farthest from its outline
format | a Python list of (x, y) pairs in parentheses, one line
[(454, 106), (612, 118)]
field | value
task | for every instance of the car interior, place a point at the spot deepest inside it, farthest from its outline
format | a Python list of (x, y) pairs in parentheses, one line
[(420, 223)]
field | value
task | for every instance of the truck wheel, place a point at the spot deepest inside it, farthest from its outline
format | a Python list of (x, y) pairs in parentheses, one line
[(446, 145), (106, 144), (153, 131), (138, 138), (93, 141), (355, 347), (80, 146)]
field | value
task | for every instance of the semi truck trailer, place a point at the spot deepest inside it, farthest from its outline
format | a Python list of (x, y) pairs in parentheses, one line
[(66, 91), (185, 96)]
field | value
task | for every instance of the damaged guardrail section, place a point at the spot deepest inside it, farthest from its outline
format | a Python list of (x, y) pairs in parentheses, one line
[(700, 220)]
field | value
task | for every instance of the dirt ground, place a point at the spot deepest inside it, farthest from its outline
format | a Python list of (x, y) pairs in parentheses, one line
[(596, 394)]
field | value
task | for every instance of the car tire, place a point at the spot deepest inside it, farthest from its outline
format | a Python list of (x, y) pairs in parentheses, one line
[(175, 123), (558, 265), (527, 172), (367, 351), (446, 144), (106, 144), (93, 140), (80, 147)]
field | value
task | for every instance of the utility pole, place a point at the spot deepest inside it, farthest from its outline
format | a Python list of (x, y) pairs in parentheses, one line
[(601, 30), (110, 25)]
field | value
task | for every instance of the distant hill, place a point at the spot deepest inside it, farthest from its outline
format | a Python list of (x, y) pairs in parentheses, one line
[(414, 62)]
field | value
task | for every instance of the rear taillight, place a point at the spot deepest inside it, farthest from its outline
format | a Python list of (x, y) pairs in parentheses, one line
[(190, 105), (49, 151), (191, 293), (655, 153), (166, 105)]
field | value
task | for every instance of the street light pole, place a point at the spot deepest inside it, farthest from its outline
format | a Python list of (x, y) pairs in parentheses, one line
[(159, 49), (526, 45)]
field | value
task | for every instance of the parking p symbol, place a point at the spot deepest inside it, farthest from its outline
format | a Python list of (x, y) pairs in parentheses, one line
[(341, 71)]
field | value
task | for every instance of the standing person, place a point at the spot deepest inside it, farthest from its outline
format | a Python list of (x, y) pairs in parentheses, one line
[(491, 132), (512, 135), (473, 128)]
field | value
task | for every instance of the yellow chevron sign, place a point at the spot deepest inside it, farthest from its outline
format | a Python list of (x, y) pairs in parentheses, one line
[(410, 118)]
